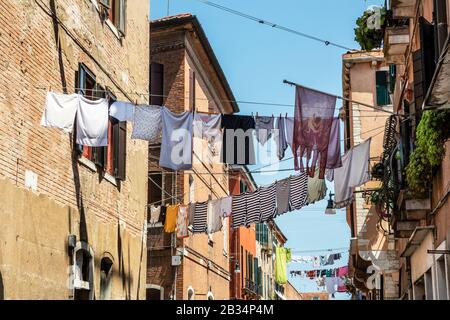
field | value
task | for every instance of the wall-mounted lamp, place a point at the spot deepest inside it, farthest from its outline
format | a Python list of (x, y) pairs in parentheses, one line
[(330, 207), (237, 269)]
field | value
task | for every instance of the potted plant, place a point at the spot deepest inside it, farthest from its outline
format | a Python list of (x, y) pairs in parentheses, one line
[(370, 28)]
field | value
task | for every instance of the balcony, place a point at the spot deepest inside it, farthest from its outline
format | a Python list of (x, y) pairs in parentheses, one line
[(396, 41), (403, 8), (252, 289)]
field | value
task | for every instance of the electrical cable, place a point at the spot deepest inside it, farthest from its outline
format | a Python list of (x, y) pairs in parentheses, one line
[(274, 25)]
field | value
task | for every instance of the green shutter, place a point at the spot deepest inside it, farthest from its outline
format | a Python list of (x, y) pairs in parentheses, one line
[(382, 88)]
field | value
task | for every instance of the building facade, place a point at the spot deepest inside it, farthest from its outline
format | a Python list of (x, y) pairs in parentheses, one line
[(367, 79), (186, 76), (244, 264), (416, 41), (75, 215)]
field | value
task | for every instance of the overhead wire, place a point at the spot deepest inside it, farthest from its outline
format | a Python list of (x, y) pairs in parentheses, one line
[(274, 25)]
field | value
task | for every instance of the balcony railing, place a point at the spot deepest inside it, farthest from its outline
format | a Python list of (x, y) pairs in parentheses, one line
[(253, 288)]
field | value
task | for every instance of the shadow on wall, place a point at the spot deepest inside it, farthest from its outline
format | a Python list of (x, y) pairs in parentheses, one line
[(2, 293)]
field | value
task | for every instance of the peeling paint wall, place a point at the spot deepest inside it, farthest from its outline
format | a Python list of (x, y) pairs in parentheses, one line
[(41, 47)]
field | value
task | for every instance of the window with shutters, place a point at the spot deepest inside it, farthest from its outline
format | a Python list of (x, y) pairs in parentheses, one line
[(383, 88), (156, 84), (423, 63), (116, 13), (110, 159)]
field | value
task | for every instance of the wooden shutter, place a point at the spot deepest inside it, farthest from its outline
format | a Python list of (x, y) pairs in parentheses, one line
[(119, 149), (382, 88), (423, 62), (191, 90), (440, 25), (156, 84), (122, 16)]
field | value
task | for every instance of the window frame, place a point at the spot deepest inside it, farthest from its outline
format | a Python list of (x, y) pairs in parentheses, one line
[(105, 159)]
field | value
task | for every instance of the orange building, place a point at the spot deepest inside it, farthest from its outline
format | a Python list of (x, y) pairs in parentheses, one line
[(244, 267)]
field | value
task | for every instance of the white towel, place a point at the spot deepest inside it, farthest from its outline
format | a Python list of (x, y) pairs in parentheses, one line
[(122, 111), (353, 173), (92, 122), (60, 110)]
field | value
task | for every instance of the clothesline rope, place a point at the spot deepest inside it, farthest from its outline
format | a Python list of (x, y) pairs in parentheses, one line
[(206, 99)]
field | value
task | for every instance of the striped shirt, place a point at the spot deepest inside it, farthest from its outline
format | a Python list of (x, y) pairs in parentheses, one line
[(253, 208), (283, 187), (268, 202), (298, 193), (239, 209), (200, 217)]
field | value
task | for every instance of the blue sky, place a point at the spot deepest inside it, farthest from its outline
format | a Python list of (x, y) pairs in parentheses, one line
[(256, 59)]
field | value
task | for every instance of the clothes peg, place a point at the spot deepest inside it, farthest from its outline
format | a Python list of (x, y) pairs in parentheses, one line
[(257, 115), (286, 115), (252, 113), (50, 88)]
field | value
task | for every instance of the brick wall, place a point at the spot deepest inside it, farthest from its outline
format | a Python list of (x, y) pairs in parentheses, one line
[(41, 47)]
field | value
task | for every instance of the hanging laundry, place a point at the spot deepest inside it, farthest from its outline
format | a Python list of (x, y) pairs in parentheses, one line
[(191, 214), (200, 217), (225, 207), (288, 255), (330, 284), (311, 274), (280, 265), (317, 188), (341, 286), (155, 212), (162, 215), (239, 209), (182, 222), (208, 128), (264, 127), (122, 111), (298, 192), (289, 123), (312, 126), (176, 146), (330, 260), (171, 218), (353, 173), (60, 110), (281, 141), (92, 122), (283, 189), (316, 262), (253, 208), (147, 123), (341, 272), (334, 147), (214, 218), (238, 145), (268, 202)]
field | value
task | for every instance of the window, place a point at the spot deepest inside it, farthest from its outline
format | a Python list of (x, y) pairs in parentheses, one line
[(110, 159), (154, 292), (83, 268), (383, 88), (116, 13), (105, 278), (156, 84), (190, 293), (192, 90), (441, 279)]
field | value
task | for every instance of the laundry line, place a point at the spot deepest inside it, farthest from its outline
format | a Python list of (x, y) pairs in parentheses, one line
[(259, 171), (209, 100)]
